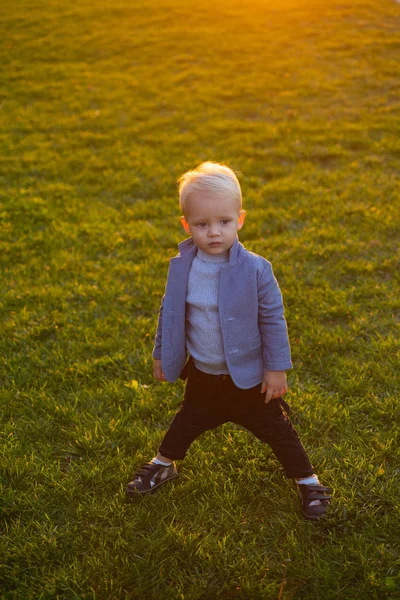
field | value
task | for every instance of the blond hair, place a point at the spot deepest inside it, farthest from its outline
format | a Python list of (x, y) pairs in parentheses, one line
[(209, 177)]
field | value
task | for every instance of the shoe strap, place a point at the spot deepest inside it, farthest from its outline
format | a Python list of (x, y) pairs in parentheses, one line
[(315, 492), (316, 496), (318, 488), (148, 469)]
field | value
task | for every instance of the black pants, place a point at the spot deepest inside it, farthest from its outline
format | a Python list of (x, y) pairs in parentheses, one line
[(211, 400)]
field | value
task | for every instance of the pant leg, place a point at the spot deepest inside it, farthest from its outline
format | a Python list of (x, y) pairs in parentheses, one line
[(270, 423), (201, 410)]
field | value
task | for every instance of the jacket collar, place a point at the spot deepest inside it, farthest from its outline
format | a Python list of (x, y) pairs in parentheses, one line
[(188, 247)]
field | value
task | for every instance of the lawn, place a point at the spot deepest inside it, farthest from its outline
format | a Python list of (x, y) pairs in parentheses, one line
[(102, 106)]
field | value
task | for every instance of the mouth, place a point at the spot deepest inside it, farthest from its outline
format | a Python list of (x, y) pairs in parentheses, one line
[(215, 244)]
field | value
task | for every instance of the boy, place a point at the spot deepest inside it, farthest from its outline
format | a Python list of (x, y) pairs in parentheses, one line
[(222, 304)]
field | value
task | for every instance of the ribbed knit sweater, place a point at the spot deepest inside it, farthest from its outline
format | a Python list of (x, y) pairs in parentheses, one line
[(203, 331)]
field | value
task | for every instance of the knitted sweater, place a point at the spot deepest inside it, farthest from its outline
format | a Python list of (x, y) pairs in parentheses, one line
[(203, 330)]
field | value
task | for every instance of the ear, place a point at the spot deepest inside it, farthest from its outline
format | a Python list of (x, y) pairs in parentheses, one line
[(241, 218), (185, 225)]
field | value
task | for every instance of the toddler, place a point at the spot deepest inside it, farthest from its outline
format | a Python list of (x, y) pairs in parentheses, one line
[(223, 307)]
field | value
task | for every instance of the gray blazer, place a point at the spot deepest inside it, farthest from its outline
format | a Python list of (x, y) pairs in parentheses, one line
[(253, 326)]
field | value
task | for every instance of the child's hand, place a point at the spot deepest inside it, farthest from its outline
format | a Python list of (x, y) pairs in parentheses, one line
[(274, 383), (157, 370)]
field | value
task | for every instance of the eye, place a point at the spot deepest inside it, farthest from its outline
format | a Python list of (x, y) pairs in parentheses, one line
[(225, 221), (201, 224)]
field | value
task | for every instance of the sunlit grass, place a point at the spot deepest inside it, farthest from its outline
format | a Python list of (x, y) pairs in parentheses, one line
[(102, 107)]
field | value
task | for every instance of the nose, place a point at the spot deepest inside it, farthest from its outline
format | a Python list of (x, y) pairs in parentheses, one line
[(213, 230)]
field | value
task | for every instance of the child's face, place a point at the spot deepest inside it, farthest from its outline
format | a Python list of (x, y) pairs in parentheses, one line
[(213, 221)]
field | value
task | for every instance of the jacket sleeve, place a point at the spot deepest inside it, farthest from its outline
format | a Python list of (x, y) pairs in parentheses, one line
[(157, 342), (272, 323)]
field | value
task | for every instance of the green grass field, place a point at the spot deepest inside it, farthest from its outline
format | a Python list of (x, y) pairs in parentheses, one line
[(102, 106)]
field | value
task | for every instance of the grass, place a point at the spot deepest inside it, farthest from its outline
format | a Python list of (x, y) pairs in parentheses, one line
[(102, 107)]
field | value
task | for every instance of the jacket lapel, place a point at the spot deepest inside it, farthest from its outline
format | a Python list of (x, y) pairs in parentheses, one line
[(175, 299)]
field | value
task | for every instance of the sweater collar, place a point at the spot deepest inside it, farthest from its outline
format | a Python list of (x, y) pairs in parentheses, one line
[(213, 258)]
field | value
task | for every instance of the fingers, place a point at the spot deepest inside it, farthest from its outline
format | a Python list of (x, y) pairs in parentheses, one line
[(274, 393), (157, 370), (268, 396), (158, 374), (264, 385)]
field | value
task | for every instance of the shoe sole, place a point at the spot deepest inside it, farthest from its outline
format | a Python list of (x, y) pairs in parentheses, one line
[(134, 491), (321, 516), (316, 517)]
